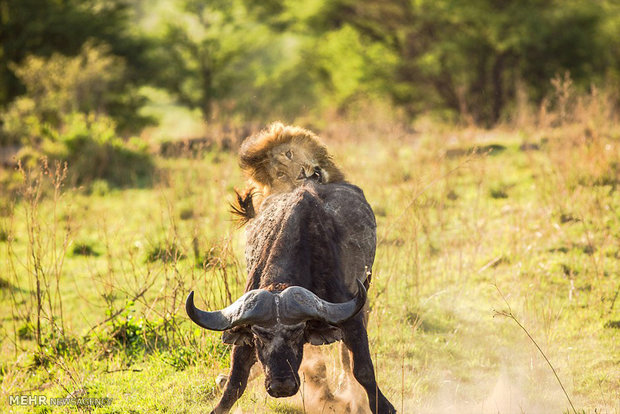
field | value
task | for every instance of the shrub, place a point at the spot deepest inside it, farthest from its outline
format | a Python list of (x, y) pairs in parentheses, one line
[(72, 111), (92, 150), (180, 357), (55, 346), (165, 253), (84, 249), (131, 334), (26, 331), (94, 80)]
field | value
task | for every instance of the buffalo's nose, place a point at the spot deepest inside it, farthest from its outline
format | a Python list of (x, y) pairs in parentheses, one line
[(282, 387)]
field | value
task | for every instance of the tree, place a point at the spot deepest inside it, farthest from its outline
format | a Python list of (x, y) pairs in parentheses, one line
[(218, 57), (44, 27), (469, 55)]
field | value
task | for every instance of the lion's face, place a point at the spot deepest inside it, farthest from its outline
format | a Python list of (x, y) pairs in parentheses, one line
[(293, 163), (279, 159)]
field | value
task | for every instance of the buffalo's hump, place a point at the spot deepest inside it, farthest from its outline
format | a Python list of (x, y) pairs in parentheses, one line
[(334, 220)]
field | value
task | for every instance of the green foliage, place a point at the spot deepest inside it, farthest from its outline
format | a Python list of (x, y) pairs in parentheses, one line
[(26, 331), (469, 57), (181, 357), (217, 58), (239, 61), (165, 252), (498, 191), (92, 81), (131, 334), (83, 249), (351, 68), (4, 234), (91, 148), (99, 187), (63, 116), (45, 27), (56, 346)]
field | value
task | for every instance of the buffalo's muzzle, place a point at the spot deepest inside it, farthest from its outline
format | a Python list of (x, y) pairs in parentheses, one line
[(282, 387)]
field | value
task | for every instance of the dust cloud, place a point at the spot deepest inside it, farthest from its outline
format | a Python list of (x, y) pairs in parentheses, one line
[(514, 388), (507, 394)]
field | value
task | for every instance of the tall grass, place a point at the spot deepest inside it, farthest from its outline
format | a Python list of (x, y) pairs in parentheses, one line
[(46, 248), (93, 284)]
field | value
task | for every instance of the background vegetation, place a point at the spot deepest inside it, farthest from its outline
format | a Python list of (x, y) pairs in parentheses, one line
[(484, 133)]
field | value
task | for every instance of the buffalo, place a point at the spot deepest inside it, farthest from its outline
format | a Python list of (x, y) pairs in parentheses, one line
[(309, 253)]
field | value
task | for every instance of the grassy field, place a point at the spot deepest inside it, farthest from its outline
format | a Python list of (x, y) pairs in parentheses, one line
[(471, 223)]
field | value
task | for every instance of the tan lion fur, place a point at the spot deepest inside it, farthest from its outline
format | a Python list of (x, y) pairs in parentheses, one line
[(279, 159)]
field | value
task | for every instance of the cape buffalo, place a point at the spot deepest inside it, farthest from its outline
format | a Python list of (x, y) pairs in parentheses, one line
[(308, 252)]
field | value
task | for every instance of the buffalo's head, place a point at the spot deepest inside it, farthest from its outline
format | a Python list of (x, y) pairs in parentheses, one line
[(278, 324)]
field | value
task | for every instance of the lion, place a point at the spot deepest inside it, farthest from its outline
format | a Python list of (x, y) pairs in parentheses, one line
[(279, 159)]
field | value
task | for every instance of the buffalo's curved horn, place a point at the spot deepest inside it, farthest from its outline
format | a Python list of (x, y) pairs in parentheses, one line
[(254, 306), (300, 304)]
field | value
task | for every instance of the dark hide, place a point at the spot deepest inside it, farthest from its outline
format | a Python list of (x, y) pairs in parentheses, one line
[(334, 220)]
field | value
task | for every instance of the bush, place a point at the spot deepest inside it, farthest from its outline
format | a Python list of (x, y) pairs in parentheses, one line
[(166, 253), (72, 111), (84, 249), (93, 81), (26, 331), (180, 357), (55, 346), (92, 150), (131, 334)]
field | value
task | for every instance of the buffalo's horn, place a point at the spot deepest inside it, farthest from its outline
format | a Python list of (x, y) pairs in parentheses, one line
[(301, 304), (254, 306)]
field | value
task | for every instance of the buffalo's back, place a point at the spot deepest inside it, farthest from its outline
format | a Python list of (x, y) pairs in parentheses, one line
[(343, 203)]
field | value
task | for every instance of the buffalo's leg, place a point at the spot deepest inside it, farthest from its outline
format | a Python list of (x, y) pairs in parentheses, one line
[(256, 370), (243, 357), (356, 339)]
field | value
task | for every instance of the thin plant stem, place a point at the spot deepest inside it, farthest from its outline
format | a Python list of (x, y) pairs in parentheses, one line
[(509, 314)]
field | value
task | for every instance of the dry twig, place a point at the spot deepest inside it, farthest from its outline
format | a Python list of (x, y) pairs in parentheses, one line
[(510, 315)]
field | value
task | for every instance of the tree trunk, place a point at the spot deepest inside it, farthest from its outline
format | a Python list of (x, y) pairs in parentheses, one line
[(498, 87)]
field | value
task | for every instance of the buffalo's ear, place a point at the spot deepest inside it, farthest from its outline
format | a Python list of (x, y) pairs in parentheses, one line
[(322, 334), (239, 335)]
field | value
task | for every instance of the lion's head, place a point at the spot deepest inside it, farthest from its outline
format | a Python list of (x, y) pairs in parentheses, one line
[(278, 159)]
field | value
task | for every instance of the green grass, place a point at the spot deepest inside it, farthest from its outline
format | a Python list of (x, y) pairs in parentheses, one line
[(455, 225)]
